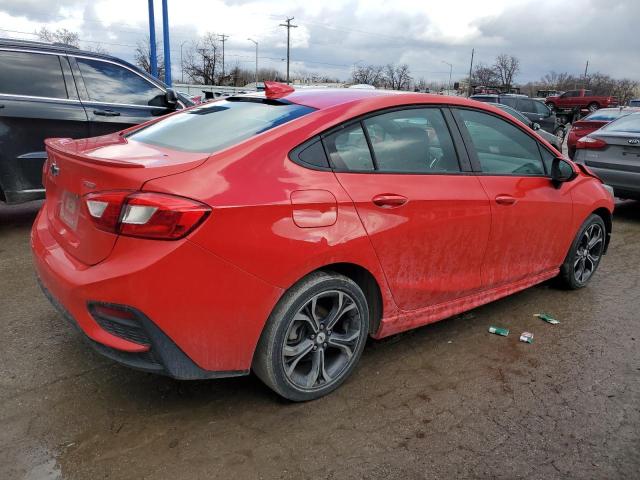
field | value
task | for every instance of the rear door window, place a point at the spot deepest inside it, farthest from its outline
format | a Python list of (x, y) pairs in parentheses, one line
[(111, 83), (414, 140), (502, 148), (217, 125), (31, 74)]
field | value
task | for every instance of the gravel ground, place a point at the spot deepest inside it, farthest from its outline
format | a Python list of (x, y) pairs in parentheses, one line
[(444, 401)]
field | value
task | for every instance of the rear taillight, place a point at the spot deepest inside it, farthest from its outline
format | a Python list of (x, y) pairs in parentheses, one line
[(591, 143), (145, 214)]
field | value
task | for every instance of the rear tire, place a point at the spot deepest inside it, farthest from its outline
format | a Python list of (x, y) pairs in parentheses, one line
[(552, 107), (593, 106), (584, 255), (314, 337)]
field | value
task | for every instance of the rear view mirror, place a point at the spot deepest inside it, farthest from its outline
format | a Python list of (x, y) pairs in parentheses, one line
[(561, 171), (171, 98)]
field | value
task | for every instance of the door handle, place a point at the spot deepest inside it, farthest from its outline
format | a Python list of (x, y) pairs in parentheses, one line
[(389, 200), (506, 200), (106, 113)]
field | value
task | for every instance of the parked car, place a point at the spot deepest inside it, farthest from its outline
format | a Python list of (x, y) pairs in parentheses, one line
[(634, 103), (54, 90), (613, 153), (534, 110), (549, 137), (580, 100), (277, 231), (593, 122)]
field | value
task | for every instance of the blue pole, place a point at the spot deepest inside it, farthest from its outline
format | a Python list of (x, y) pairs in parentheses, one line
[(152, 42), (167, 46)]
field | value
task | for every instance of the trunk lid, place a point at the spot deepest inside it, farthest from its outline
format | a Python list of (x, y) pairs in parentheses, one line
[(622, 152), (75, 168)]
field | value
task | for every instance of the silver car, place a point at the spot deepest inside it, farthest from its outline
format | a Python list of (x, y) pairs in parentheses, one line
[(613, 153)]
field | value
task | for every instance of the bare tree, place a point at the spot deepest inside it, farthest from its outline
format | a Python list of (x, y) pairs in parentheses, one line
[(484, 75), (368, 74), (203, 60), (506, 67), (61, 35), (397, 77), (142, 57)]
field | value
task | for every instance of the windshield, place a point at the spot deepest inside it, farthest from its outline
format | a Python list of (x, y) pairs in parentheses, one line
[(218, 125), (628, 123)]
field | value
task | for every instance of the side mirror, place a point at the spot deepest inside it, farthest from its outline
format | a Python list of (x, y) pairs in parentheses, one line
[(561, 172), (171, 98), (535, 126)]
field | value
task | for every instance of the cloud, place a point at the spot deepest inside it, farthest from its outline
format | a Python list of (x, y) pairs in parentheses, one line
[(38, 10)]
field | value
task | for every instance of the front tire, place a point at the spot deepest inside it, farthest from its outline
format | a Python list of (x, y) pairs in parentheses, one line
[(584, 255), (314, 337)]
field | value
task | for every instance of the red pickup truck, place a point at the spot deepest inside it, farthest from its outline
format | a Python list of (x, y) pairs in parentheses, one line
[(581, 99)]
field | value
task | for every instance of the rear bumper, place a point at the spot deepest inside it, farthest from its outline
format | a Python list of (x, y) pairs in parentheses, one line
[(202, 316)]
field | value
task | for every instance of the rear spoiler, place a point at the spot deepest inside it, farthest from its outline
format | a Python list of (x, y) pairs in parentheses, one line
[(71, 148)]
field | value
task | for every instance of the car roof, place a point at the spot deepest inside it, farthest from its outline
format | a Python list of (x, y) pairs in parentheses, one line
[(63, 48)]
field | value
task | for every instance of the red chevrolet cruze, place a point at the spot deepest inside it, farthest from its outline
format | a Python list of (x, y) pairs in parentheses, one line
[(275, 232)]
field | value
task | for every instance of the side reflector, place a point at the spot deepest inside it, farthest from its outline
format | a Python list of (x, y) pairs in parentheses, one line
[(277, 90)]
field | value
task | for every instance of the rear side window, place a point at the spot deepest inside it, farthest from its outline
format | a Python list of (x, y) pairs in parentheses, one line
[(415, 140), (110, 83), (217, 125), (348, 149), (526, 105), (502, 148), (33, 74)]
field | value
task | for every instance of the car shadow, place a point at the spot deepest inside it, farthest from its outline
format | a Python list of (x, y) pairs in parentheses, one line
[(19, 215), (627, 210)]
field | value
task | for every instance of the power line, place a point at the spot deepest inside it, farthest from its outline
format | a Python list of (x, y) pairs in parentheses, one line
[(288, 26)]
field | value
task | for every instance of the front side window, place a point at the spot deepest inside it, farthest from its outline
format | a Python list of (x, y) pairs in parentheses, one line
[(540, 108), (502, 148), (110, 83), (415, 140), (348, 149), (213, 126), (32, 74)]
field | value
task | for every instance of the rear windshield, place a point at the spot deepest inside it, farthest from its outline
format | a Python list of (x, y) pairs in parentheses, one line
[(599, 116), (629, 123), (214, 126)]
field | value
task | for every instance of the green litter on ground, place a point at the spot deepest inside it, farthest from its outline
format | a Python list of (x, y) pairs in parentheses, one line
[(547, 318), (499, 331)]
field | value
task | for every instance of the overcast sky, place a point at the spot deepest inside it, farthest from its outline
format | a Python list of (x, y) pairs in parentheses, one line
[(334, 35)]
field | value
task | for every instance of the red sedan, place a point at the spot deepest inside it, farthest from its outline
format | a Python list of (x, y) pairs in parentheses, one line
[(275, 232), (592, 122)]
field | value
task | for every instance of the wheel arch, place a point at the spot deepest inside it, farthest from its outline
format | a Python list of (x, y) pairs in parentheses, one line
[(607, 218)]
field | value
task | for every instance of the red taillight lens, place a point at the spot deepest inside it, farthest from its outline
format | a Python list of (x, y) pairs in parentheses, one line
[(591, 143), (104, 209), (145, 214)]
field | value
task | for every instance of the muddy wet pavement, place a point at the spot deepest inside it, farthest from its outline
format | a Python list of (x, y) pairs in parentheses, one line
[(445, 401)]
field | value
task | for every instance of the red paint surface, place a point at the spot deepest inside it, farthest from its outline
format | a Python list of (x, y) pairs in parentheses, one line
[(449, 247)]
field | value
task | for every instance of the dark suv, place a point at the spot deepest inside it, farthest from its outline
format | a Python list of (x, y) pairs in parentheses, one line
[(53, 90), (534, 110)]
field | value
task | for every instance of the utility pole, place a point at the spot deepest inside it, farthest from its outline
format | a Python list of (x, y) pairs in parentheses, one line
[(288, 27), (153, 56), (223, 38), (473, 50), (450, 70), (167, 45), (256, 79), (586, 67)]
